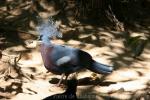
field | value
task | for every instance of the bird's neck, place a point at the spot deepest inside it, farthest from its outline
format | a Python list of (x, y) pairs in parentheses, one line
[(46, 40)]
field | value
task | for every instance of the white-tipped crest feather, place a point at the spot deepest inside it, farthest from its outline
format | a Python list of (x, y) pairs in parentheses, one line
[(48, 28)]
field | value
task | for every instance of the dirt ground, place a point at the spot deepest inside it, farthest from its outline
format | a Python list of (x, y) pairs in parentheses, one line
[(27, 79)]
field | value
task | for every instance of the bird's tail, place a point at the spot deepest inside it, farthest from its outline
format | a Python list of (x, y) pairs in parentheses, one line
[(100, 68)]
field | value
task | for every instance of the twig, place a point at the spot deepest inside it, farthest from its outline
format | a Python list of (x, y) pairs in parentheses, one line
[(111, 16), (15, 65), (16, 60)]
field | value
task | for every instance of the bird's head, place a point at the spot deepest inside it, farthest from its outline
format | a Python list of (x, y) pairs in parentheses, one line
[(48, 29)]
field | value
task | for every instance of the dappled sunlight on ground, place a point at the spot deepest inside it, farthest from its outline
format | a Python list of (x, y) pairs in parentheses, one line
[(129, 79), (23, 75)]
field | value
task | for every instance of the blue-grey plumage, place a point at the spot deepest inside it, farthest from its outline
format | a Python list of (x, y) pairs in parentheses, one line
[(63, 59), (56, 59), (100, 68), (60, 59)]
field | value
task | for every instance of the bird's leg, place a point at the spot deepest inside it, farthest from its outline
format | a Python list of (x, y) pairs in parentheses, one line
[(62, 75)]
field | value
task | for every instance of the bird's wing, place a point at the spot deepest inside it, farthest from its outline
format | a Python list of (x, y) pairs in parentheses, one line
[(63, 60)]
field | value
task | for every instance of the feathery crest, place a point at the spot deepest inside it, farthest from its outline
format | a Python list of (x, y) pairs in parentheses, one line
[(48, 28)]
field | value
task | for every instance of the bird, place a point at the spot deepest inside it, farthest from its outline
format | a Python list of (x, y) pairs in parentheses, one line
[(69, 94), (62, 59)]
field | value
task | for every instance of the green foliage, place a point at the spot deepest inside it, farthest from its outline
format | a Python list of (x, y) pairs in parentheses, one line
[(136, 44)]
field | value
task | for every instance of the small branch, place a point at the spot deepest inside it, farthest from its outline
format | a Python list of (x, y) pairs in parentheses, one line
[(14, 64), (111, 16), (16, 60)]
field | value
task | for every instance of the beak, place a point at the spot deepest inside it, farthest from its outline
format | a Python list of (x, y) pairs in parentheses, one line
[(39, 38)]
